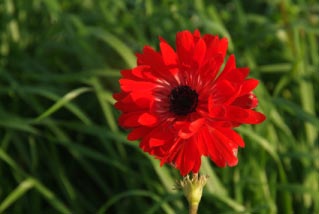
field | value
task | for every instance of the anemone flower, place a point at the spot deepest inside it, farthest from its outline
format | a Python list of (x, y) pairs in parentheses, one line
[(184, 104)]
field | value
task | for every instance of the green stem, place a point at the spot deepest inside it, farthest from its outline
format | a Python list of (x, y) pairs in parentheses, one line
[(193, 208)]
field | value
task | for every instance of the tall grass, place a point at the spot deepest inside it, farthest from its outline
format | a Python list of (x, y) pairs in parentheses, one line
[(61, 150)]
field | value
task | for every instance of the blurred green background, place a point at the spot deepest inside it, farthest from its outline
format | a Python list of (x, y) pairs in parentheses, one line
[(61, 150)]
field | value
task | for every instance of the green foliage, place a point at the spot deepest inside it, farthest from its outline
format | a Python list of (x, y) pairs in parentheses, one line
[(61, 150)]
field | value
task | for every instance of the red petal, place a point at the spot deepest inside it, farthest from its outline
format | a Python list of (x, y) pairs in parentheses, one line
[(248, 101), (199, 52), (221, 150), (222, 47), (187, 158), (147, 119), (235, 138), (215, 45), (144, 72), (127, 74), (248, 85), (135, 101), (131, 85), (156, 64), (159, 135), (192, 158), (212, 149), (120, 95), (236, 76), (188, 129), (230, 65), (149, 57), (236, 114), (224, 92), (196, 35), (168, 54), (138, 133), (211, 67), (135, 119), (184, 47), (129, 120), (154, 142), (202, 141)]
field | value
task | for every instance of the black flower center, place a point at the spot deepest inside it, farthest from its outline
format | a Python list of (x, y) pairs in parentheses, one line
[(183, 100)]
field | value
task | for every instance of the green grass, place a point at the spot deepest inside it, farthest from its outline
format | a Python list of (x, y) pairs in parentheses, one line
[(61, 150)]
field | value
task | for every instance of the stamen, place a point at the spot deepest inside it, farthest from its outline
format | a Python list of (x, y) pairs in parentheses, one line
[(183, 100)]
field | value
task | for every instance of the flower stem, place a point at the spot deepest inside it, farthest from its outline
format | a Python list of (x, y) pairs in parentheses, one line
[(193, 208)]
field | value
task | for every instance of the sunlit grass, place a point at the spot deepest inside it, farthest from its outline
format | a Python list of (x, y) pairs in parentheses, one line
[(61, 150)]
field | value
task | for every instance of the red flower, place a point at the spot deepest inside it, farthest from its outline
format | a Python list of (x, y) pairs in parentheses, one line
[(180, 106)]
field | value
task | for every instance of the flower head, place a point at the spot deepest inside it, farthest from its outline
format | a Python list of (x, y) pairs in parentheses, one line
[(181, 106)]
